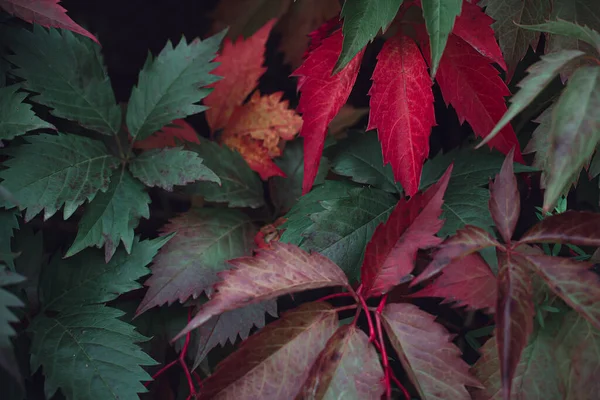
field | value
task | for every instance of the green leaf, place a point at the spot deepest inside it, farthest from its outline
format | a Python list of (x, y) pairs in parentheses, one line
[(8, 223), (569, 29), (285, 192), (575, 130), (68, 170), (89, 354), (240, 186), (359, 157), (112, 216), (170, 166), (16, 117), (439, 18), (540, 144), (7, 299), (68, 72), (171, 84), (86, 279), (362, 21), (188, 264), (581, 12)]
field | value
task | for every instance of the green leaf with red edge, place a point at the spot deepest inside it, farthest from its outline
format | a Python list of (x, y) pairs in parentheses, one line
[(433, 363), (580, 228), (240, 65), (466, 282), (348, 367), (178, 130), (391, 252), (46, 13), (514, 314), (274, 363), (473, 26), (439, 18), (574, 281), (188, 264), (270, 273), (466, 241), (505, 201), (401, 109), (322, 97)]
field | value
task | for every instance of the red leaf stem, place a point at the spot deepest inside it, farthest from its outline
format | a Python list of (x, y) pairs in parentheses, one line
[(335, 296)]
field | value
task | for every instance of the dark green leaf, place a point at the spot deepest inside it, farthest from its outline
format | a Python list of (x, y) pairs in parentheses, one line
[(569, 29), (16, 117), (8, 223), (7, 299), (540, 143), (439, 18)]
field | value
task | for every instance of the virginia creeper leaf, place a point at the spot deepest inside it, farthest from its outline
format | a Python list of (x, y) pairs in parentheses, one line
[(170, 85), (68, 170), (240, 187), (274, 362), (348, 367), (426, 351), (79, 89), (505, 201), (575, 227), (439, 18), (270, 273), (112, 216), (575, 130), (392, 251), (569, 29), (86, 279), (467, 282), (168, 167), (16, 117), (188, 264), (362, 22), (46, 13), (514, 315), (240, 65), (255, 154), (322, 97), (166, 137), (89, 354), (402, 109), (8, 301)]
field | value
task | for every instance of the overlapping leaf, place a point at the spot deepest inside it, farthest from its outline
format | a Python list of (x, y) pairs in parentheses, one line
[(255, 154), (540, 144), (439, 18), (569, 29), (169, 136), (8, 223), (505, 200), (575, 227), (8, 301), (68, 170), (16, 117)]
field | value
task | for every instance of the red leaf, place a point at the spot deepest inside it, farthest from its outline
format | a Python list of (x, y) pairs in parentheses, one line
[(429, 357), (581, 228), (348, 368), (274, 363), (255, 154), (402, 109), (270, 273), (241, 67), (46, 13), (468, 282), (391, 253), (466, 241), (166, 136), (505, 201), (322, 97), (472, 85), (473, 26), (514, 314)]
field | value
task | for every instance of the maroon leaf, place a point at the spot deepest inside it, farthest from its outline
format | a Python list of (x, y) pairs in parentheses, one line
[(514, 314), (270, 273), (433, 363), (390, 255), (468, 282), (581, 228), (505, 202), (274, 363), (573, 281), (348, 368), (466, 241)]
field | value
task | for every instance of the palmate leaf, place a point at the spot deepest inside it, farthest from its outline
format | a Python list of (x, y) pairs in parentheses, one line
[(362, 21), (8, 301), (168, 167), (16, 117), (273, 272), (112, 216), (68, 170), (348, 367), (429, 357), (274, 363), (89, 354), (439, 18), (505, 201), (79, 89), (575, 227), (188, 264), (240, 187), (170, 85)]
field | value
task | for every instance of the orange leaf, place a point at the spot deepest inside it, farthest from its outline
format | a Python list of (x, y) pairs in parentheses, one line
[(166, 136), (255, 155)]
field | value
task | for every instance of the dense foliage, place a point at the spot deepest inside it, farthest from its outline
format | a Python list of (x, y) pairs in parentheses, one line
[(353, 252)]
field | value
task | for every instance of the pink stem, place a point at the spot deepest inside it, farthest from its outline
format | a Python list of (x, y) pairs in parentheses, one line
[(401, 387), (160, 372), (363, 303), (350, 307), (386, 363), (335, 296)]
